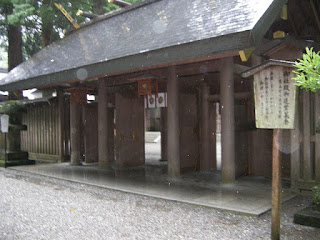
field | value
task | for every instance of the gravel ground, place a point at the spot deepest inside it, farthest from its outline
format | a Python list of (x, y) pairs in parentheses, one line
[(36, 207)]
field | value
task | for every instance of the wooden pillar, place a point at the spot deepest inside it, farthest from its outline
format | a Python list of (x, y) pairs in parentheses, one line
[(75, 123), (204, 129), (91, 132), (317, 139), (253, 133), (103, 124), (62, 147), (111, 134), (213, 136), (276, 188), (296, 147), (173, 124), (227, 121), (307, 172), (164, 132)]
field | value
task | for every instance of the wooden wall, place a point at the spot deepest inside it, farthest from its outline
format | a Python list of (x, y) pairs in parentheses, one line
[(305, 143), (47, 137)]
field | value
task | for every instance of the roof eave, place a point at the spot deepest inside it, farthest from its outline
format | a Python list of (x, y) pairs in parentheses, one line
[(206, 47), (267, 19)]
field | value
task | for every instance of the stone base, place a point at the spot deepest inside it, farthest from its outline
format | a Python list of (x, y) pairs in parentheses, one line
[(307, 217), (14, 159)]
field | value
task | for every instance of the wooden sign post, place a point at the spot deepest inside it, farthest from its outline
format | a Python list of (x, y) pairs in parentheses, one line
[(276, 188), (275, 105)]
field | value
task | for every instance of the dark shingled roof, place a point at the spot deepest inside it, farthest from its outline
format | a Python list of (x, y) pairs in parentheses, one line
[(151, 32)]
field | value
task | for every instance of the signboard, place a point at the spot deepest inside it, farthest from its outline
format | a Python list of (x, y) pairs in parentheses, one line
[(275, 98), (4, 122)]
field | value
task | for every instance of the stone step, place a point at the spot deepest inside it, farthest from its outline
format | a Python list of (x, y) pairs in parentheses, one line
[(14, 155), (16, 162)]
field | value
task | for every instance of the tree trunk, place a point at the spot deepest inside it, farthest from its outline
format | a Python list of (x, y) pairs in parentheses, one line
[(46, 27), (15, 46), (14, 54)]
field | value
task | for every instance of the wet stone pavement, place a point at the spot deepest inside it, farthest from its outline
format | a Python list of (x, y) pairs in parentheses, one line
[(38, 207)]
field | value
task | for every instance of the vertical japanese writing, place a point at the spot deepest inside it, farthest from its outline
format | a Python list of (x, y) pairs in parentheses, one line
[(286, 94), (271, 102), (262, 94), (280, 89), (275, 98), (267, 92)]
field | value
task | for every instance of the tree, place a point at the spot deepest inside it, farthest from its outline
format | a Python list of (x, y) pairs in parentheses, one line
[(14, 36), (308, 71)]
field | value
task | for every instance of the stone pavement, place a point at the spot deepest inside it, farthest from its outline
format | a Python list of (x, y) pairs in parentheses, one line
[(40, 207), (249, 195)]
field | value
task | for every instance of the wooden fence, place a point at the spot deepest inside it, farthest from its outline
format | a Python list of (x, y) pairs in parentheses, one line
[(305, 143), (47, 137)]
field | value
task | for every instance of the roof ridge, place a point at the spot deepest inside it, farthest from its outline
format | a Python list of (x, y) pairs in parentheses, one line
[(113, 13)]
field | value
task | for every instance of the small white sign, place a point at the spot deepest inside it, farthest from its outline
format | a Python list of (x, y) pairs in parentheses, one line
[(4, 121), (151, 101), (161, 100), (156, 100), (275, 98)]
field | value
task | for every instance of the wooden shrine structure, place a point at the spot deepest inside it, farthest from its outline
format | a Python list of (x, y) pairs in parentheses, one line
[(195, 51)]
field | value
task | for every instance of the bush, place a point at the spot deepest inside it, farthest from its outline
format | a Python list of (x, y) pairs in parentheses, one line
[(11, 107), (308, 71)]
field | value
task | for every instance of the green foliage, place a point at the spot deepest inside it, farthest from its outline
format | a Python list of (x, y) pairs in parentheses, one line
[(308, 71), (316, 198), (11, 107), (6, 7), (20, 12)]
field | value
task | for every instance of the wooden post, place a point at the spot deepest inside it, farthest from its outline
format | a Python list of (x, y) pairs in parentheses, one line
[(61, 103), (75, 122), (307, 175), (227, 121), (213, 136), (103, 124), (164, 132), (204, 129), (276, 188), (295, 154), (173, 124), (317, 138)]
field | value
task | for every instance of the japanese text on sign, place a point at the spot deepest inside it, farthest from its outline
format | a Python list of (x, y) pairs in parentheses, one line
[(275, 98)]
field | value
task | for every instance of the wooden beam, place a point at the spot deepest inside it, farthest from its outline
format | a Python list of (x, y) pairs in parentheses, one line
[(245, 54), (137, 71), (238, 96)]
